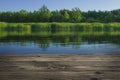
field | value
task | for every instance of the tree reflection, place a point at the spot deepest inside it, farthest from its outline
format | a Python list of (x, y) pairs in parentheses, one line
[(61, 38)]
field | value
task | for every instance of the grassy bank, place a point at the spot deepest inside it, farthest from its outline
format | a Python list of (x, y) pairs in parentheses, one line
[(60, 26)]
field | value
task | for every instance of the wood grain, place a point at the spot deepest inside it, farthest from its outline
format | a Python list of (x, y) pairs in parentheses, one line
[(59, 67)]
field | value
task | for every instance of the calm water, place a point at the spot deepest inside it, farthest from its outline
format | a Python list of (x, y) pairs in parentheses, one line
[(62, 42)]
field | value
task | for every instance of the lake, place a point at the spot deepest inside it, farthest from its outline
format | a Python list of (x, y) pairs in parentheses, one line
[(64, 41), (59, 38)]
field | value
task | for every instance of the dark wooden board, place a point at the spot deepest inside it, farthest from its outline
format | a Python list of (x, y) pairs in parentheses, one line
[(59, 67)]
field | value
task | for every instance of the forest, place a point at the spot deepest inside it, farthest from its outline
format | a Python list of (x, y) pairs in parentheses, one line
[(63, 15)]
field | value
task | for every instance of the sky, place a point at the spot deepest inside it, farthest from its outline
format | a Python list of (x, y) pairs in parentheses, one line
[(84, 5)]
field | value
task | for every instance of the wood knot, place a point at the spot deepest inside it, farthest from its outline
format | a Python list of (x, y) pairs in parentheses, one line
[(98, 72), (94, 79)]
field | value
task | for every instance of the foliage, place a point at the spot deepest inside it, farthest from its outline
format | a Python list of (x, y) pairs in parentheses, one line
[(64, 15), (42, 15), (56, 27), (76, 15)]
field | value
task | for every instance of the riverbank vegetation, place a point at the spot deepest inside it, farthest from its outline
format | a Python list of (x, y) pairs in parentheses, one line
[(60, 26)]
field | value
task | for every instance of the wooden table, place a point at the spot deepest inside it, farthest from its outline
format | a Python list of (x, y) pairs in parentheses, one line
[(60, 67)]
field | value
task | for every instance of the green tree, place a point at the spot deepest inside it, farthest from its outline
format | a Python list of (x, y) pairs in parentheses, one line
[(76, 15), (66, 16), (56, 16), (109, 17), (22, 15), (45, 13)]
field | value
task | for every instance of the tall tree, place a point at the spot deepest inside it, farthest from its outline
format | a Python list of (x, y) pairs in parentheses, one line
[(66, 16), (56, 16), (22, 15), (45, 13), (76, 15)]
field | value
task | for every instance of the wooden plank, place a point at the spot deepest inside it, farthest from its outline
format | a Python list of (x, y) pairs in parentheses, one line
[(60, 67), (55, 57)]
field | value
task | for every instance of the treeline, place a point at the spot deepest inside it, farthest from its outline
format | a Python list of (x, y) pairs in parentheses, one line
[(64, 15)]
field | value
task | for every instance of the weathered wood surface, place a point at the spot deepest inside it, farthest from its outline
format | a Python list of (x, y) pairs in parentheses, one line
[(60, 67)]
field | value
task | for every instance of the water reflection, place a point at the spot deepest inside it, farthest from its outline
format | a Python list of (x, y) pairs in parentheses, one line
[(68, 41)]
